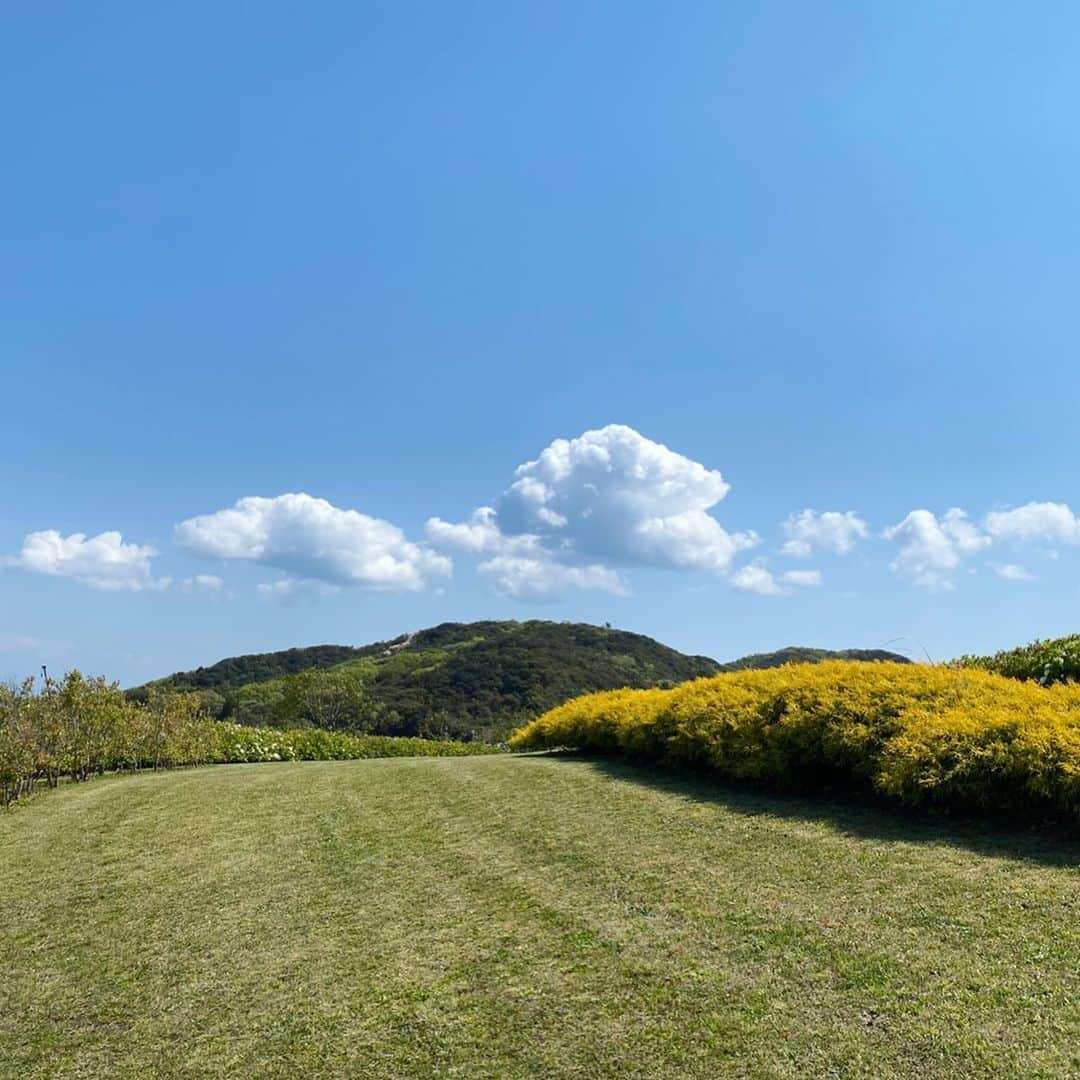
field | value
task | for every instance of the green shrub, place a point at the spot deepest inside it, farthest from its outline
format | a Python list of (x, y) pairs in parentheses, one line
[(239, 743), (1045, 662)]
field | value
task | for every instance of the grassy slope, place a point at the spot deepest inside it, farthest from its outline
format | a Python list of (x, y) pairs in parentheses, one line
[(531, 916)]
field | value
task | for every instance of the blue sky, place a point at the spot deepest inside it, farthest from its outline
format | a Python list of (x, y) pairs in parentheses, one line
[(386, 254)]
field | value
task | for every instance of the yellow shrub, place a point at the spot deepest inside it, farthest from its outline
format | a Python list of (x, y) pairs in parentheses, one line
[(916, 733)]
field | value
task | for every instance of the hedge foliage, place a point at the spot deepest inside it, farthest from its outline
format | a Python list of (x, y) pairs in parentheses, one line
[(79, 727), (1045, 662), (237, 742), (921, 735)]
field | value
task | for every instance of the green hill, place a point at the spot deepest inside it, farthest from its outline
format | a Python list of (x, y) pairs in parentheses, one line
[(455, 680), (795, 654), (473, 679)]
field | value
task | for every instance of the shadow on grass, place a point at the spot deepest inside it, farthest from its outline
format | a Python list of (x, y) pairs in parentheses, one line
[(1046, 843)]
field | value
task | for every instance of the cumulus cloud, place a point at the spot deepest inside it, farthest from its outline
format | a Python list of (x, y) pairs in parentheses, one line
[(519, 566), (586, 506), (1011, 571), (311, 539), (102, 562), (541, 579), (831, 531), (616, 497), (478, 535), (1052, 522), (806, 579), (756, 579), (931, 548)]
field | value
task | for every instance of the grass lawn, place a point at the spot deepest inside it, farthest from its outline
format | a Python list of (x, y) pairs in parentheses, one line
[(530, 916)]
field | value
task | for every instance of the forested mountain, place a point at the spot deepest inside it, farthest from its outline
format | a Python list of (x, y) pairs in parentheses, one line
[(465, 680), (474, 679), (795, 654)]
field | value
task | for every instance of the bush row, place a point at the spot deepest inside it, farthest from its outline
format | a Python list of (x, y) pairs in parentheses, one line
[(79, 727), (917, 734), (237, 743), (1045, 662)]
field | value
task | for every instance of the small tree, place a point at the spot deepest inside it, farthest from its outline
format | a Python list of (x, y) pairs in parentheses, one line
[(17, 758), (333, 700)]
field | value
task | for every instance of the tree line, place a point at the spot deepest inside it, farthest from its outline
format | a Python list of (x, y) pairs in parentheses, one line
[(78, 727)]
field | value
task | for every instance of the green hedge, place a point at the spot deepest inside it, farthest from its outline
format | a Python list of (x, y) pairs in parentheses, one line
[(1046, 662), (239, 743)]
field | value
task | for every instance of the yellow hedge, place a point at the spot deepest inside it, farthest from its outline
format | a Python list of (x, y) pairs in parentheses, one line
[(919, 734)]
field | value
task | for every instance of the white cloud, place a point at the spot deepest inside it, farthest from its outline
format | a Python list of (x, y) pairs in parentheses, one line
[(293, 590), (478, 535), (541, 579), (310, 539), (1011, 571), (609, 498), (829, 531), (616, 497), (931, 548), (202, 583), (102, 562), (689, 541), (1052, 522), (807, 579), (756, 579)]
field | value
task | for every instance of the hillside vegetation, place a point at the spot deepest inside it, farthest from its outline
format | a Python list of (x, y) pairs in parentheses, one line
[(458, 680), (915, 734), (796, 654), (507, 917)]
